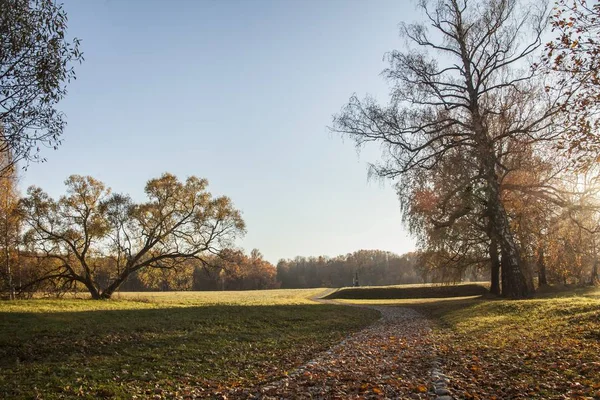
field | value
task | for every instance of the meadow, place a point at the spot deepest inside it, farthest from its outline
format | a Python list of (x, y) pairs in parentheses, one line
[(200, 344), (163, 344)]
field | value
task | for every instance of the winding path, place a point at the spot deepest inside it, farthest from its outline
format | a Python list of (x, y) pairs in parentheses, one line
[(390, 359)]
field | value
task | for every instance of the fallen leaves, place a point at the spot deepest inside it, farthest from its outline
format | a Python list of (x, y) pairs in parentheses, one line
[(422, 389), (534, 349), (390, 359)]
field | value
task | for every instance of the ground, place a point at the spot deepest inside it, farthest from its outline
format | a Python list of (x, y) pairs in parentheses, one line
[(164, 345), (545, 348), (281, 344)]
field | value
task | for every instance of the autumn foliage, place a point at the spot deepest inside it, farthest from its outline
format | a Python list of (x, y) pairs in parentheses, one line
[(574, 58)]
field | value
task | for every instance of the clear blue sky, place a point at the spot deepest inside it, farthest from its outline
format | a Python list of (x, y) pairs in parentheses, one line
[(239, 92)]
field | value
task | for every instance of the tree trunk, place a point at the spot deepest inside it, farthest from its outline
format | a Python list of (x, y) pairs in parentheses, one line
[(11, 286), (108, 292), (94, 292), (495, 267), (514, 283), (594, 277), (541, 265), (7, 242)]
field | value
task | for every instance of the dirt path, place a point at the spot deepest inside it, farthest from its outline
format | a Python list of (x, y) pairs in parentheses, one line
[(391, 359)]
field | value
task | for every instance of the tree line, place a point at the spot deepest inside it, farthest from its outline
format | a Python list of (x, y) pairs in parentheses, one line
[(180, 238), (363, 267)]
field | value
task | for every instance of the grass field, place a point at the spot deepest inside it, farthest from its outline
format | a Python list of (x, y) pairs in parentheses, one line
[(545, 348), (163, 344)]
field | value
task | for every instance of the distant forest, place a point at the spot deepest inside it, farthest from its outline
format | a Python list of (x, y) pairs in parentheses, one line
[(234, 270), (369, 267), (372, 267)]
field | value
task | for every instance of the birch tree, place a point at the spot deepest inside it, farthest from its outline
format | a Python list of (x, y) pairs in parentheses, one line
[(462, 74)]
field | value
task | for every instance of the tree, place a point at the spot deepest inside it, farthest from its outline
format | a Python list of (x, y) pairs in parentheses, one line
[(98, 240), (450, 93), (9, 222), (234, 270), (574, 56), (36, 64), (165, 279), (573, 238), (445, 210)]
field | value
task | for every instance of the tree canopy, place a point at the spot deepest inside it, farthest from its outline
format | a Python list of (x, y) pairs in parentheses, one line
[(465, 89), (98, 239), (36, 64)]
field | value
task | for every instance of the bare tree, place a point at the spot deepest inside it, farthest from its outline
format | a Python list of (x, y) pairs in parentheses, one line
[(449, 92)]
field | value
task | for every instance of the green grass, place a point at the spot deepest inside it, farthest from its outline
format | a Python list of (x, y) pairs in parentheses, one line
[(163, 344), (172, 344), (545, 348)]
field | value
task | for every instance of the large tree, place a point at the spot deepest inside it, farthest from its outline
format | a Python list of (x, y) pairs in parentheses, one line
[(36, 64), (451, 91), (96, 239)]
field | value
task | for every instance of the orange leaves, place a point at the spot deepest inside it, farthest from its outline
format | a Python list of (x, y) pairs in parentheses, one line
[(424, 201), (474, 368), (368, 387), (376, 390), (422, 389)]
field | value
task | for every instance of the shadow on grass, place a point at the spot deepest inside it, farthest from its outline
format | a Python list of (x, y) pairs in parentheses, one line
[(59, 335), (164, 346)]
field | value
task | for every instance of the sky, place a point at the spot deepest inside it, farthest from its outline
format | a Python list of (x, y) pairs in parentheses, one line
[(240, 93)]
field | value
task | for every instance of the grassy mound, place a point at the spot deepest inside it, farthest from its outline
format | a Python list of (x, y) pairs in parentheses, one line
[(409, 292)]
